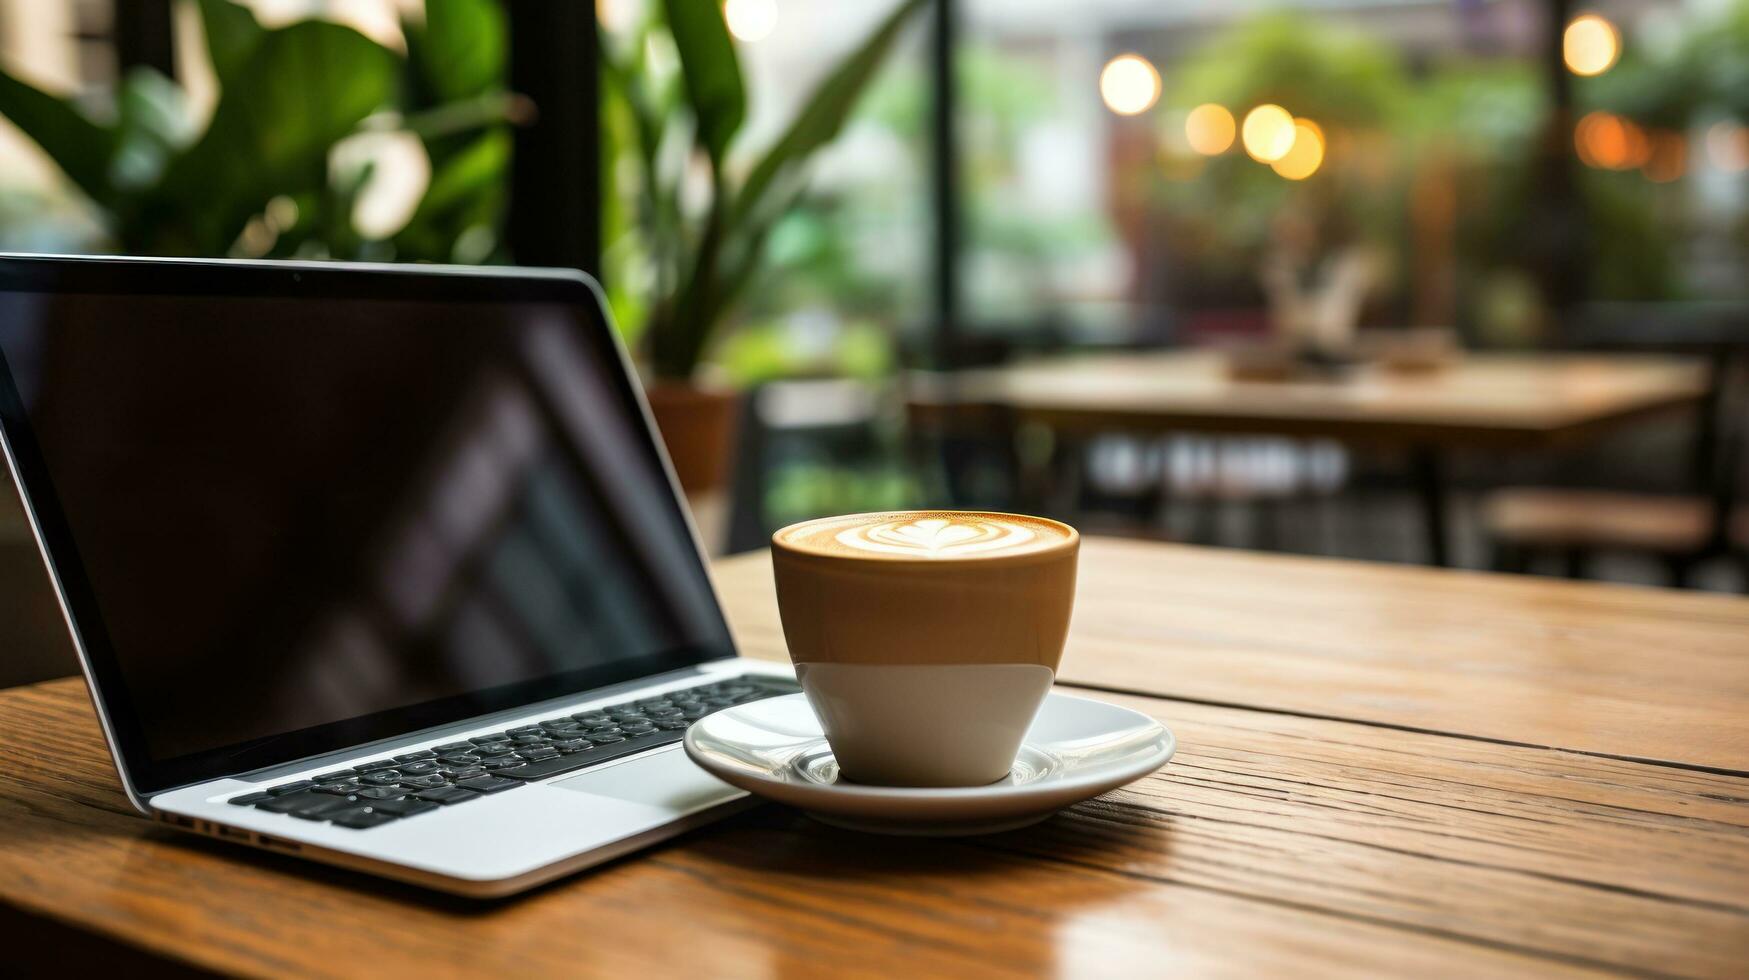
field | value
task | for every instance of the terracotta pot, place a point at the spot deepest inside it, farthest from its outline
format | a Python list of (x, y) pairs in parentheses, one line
[(698, 427)]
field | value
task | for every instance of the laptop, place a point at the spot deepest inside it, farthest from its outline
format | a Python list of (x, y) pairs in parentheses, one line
[(379, 566)]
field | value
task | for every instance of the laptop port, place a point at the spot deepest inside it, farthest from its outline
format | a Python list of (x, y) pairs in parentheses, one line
[(277, 844), (232, 833)]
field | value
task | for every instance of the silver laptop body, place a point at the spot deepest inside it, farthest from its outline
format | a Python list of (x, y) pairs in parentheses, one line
[(250, 579)]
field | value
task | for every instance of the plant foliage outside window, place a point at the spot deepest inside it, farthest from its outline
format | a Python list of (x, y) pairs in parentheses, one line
[(687, 218), (267, 175)]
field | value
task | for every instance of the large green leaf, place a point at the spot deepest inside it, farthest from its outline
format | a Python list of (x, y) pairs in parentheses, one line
[(710, 70), (460, 183), (825, 111), (79, 146), (467, 191), (459, 50), (454, 87), (152, 123), (232, 32), (308, 86)]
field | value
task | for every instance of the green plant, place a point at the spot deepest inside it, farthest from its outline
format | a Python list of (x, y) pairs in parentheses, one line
[(288, 96), (1707, 71), (1351, 84), (682, 126)]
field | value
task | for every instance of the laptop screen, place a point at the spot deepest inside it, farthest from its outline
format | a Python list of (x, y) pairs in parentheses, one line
[(308, 521)]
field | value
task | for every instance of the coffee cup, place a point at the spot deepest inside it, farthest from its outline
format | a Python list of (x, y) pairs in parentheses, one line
[(926, 640)]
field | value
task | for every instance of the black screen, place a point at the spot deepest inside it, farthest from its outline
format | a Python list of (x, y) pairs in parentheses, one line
[(305, 521)]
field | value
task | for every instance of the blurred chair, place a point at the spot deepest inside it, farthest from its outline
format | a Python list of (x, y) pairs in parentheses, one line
[(1525, 524), (968, 450), (1143, 477), (828, 421)]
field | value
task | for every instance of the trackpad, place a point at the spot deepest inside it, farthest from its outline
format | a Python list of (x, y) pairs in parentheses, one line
[(668, 779)]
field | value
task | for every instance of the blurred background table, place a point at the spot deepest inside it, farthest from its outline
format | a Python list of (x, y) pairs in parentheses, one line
[(1381, 769), (1480, 402)]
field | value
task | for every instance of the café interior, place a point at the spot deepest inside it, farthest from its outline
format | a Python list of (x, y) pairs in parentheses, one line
[(1404, 281), (1355, 307)]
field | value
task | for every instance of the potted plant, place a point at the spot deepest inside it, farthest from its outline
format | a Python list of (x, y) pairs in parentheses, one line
[(694, 256), (262, 177)]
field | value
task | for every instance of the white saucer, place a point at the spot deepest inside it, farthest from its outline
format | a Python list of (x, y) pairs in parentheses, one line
[(1076, 749)]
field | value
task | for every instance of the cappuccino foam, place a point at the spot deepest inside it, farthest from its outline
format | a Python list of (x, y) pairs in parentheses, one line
[(926, 535)]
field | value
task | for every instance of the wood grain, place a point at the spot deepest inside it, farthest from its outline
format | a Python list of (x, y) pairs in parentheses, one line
[(1615, 670), (1495, 399), (1271, 844)]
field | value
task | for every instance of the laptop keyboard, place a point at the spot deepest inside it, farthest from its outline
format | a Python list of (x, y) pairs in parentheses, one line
[(385, 790)]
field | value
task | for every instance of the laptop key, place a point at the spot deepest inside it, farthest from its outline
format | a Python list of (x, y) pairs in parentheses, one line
[(419, 767), (454, 747), (286, 788), (363, 819), (382, 777), (415, 756), (313, 812), (380, 793), (550, 767), (339, 775), (423, 782), (406, 807), (491, 749), (488, 784), (375, 765), (500, 765), (304, 804), (446, 795), (249, 799), (338, 789), (614, 747)]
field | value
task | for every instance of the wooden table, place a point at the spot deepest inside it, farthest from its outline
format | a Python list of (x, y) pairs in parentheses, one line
[(1484, 401), (1381, 770)]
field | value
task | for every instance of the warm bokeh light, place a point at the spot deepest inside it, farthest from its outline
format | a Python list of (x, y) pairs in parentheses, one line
[(1306, 155), (399, 173), (1727, 145), (1607, 141), (750, 20), (1590, 45), (618, 16), (1667, 159), (1268, 133), (1129, 84), (1209, 129)]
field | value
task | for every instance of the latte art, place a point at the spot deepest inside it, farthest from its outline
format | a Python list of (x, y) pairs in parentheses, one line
[(926, 535), (936, 537)]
